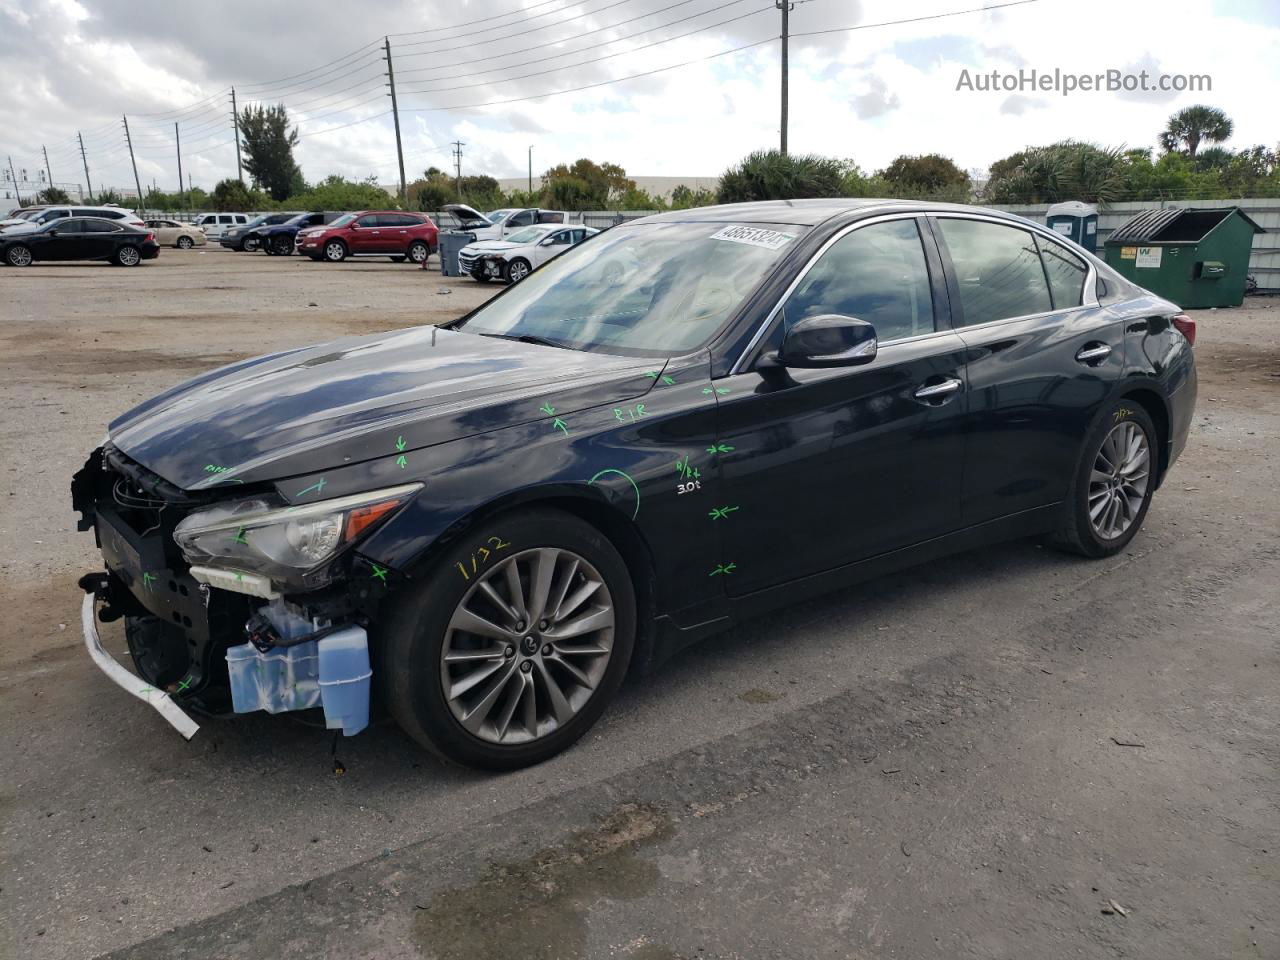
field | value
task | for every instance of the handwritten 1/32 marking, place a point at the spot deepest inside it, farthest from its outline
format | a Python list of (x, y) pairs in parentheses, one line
[(317, 487), (723, 568), (721, 513), (1121, 414), (623, 414), (626, 476), (481, 555)]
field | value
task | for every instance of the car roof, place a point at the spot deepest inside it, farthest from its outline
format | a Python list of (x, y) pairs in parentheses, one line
[(809, 213)]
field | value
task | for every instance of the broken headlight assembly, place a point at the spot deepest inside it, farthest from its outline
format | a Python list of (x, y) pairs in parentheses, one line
[(251, 545)]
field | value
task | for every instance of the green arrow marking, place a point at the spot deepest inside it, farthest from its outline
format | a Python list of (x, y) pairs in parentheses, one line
[(401, 462), (725, 568), (379, 573), (720, 448), (147, 581), (558, 424), (721, 513), (400, 444), (652, 374), (317, 487), (667, 380), (548, 409)]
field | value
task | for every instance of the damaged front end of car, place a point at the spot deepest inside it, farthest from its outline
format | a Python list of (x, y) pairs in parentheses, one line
[(233, 599)]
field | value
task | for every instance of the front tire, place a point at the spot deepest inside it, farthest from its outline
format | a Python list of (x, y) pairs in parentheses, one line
[(335, 251), (1114, 482), (18, 256), (250, 244), (282, 246), (510, 647), (128, 256), (517, 270)]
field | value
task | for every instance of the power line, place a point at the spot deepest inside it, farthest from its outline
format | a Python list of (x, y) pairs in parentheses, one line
[(469, 23), (935, 16), (521, 32)]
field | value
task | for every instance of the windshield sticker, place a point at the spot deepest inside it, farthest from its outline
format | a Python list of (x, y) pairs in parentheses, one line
[(755, 237)]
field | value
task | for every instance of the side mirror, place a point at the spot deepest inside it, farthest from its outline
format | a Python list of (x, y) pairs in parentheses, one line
[(828, 340)]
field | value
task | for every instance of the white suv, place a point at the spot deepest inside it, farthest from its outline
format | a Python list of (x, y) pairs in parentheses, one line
[(58, 212), (215, 224)]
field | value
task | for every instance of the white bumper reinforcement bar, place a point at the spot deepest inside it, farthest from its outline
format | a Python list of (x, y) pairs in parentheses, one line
[(177, 717)]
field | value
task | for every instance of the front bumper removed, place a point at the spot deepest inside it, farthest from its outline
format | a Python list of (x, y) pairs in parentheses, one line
[(154, 696)]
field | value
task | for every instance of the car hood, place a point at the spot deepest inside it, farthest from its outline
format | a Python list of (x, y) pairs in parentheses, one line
[(491, 246), (358, 399), (18, 226)]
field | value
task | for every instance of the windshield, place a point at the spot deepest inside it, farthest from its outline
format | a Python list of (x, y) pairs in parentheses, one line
[(299, 219), (255, 221), (528, 234), (497, 216), (649, 289), (343, 220)]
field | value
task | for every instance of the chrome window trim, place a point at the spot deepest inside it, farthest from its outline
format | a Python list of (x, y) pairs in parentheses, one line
[(1089, 299)]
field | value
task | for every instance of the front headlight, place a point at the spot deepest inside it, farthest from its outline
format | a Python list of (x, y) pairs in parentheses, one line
[(293, 546)]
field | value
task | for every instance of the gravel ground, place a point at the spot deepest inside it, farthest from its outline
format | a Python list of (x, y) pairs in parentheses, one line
[(924, 766)]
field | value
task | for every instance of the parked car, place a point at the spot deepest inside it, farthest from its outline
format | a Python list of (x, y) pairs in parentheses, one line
[(171, 233), (21, 215), (244, 239), (525, 250), (371, 233), (278, 239), (78, 238), (214, 224), (59, 212), (498, 224), (696, 417)]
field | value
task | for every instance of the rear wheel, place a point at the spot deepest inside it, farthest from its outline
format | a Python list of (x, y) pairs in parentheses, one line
[(1113, 485), (335, 251), (517, 270), (515, 643), (185, 243), (419, 252), (128, 256), (18, 255)]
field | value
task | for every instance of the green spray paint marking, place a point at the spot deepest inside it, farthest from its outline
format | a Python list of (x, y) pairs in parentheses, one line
[(147, 581), (721, 513), (721, 391), (653, 374), (622, 414), (317, 487), (720, 448), (725, 568), (548, 409), (625, 476), (400, 444), (401, 462), (558, 424), (239, 537), (379, 573), (667, 380), (186, 682), (685, 471), (214, 468)]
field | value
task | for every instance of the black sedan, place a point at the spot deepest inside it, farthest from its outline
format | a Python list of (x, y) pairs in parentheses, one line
[(676, 425), (79, 238)]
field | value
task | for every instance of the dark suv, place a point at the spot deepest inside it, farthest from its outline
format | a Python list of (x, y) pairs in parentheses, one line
[(242, 239), (278, 239), (399, 234)]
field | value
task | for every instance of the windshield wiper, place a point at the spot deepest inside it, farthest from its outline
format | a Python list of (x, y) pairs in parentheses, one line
[(531, 338)]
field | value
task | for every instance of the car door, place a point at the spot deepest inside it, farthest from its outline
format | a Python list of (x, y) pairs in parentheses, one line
[(62, 240), (396, 228), (518, 221), (1043, 357), (823, 467), (100, 239), (553, 244), (365, 235)]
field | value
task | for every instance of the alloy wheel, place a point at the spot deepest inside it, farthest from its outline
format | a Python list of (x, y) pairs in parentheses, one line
[(527, 646), (418, 253), (19, 257), (129, 256), (185, 243), (335, 251), (517, 271), (1119, 480)]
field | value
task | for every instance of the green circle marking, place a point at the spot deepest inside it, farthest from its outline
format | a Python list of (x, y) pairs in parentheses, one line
[(627, 476)]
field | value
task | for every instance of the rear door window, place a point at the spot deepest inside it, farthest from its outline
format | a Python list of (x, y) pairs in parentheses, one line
[(998, 270), (369, 220), (224, 219), (1066, 273), (99, 226), (65, 227)]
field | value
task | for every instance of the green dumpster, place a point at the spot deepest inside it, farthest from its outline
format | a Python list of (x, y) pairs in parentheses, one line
[(1075, 220), (1195, 257)]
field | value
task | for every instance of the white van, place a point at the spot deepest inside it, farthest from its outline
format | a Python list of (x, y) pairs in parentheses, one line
[(214, 224)]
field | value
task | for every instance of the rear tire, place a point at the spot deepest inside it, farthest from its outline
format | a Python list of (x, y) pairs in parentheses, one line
[(419, 252), (501, 705), (127, 256), (1113, 484)]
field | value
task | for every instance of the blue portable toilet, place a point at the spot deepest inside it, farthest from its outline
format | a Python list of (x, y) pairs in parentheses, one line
[(1076, 221)]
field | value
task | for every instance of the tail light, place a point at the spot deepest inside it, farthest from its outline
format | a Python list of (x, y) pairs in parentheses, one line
[(1186, 326), (151, 237)]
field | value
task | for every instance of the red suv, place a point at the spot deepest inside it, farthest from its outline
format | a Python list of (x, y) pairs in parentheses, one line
[(398, 234)]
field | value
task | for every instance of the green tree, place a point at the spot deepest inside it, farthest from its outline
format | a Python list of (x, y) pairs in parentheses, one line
[(686, 198), (1191, 126), (1069, 170), (431, 194), (105, 197), (926, 176), (52, 194), (268, 145), (231, 194), (339, 193), (771, 175), (598, 186)]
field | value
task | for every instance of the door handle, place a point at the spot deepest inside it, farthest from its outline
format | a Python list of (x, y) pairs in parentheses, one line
[(1093, 354), (938, 391)]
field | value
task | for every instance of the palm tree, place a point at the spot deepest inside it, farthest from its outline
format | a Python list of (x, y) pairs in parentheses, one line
[(1191, 125)]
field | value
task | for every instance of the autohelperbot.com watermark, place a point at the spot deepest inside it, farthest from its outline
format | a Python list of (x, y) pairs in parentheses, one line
[(1031, 80)]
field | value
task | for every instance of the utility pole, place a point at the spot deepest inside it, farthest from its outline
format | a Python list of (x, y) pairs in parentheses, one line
[(178, 141), (530, 171), (457, 166), (85, 160), (235, 125), (47, 169), (14, 174), (395, 116), (132, 160), (785, 7)]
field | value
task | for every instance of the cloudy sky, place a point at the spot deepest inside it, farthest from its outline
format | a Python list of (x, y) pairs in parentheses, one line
[(479, 70)]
